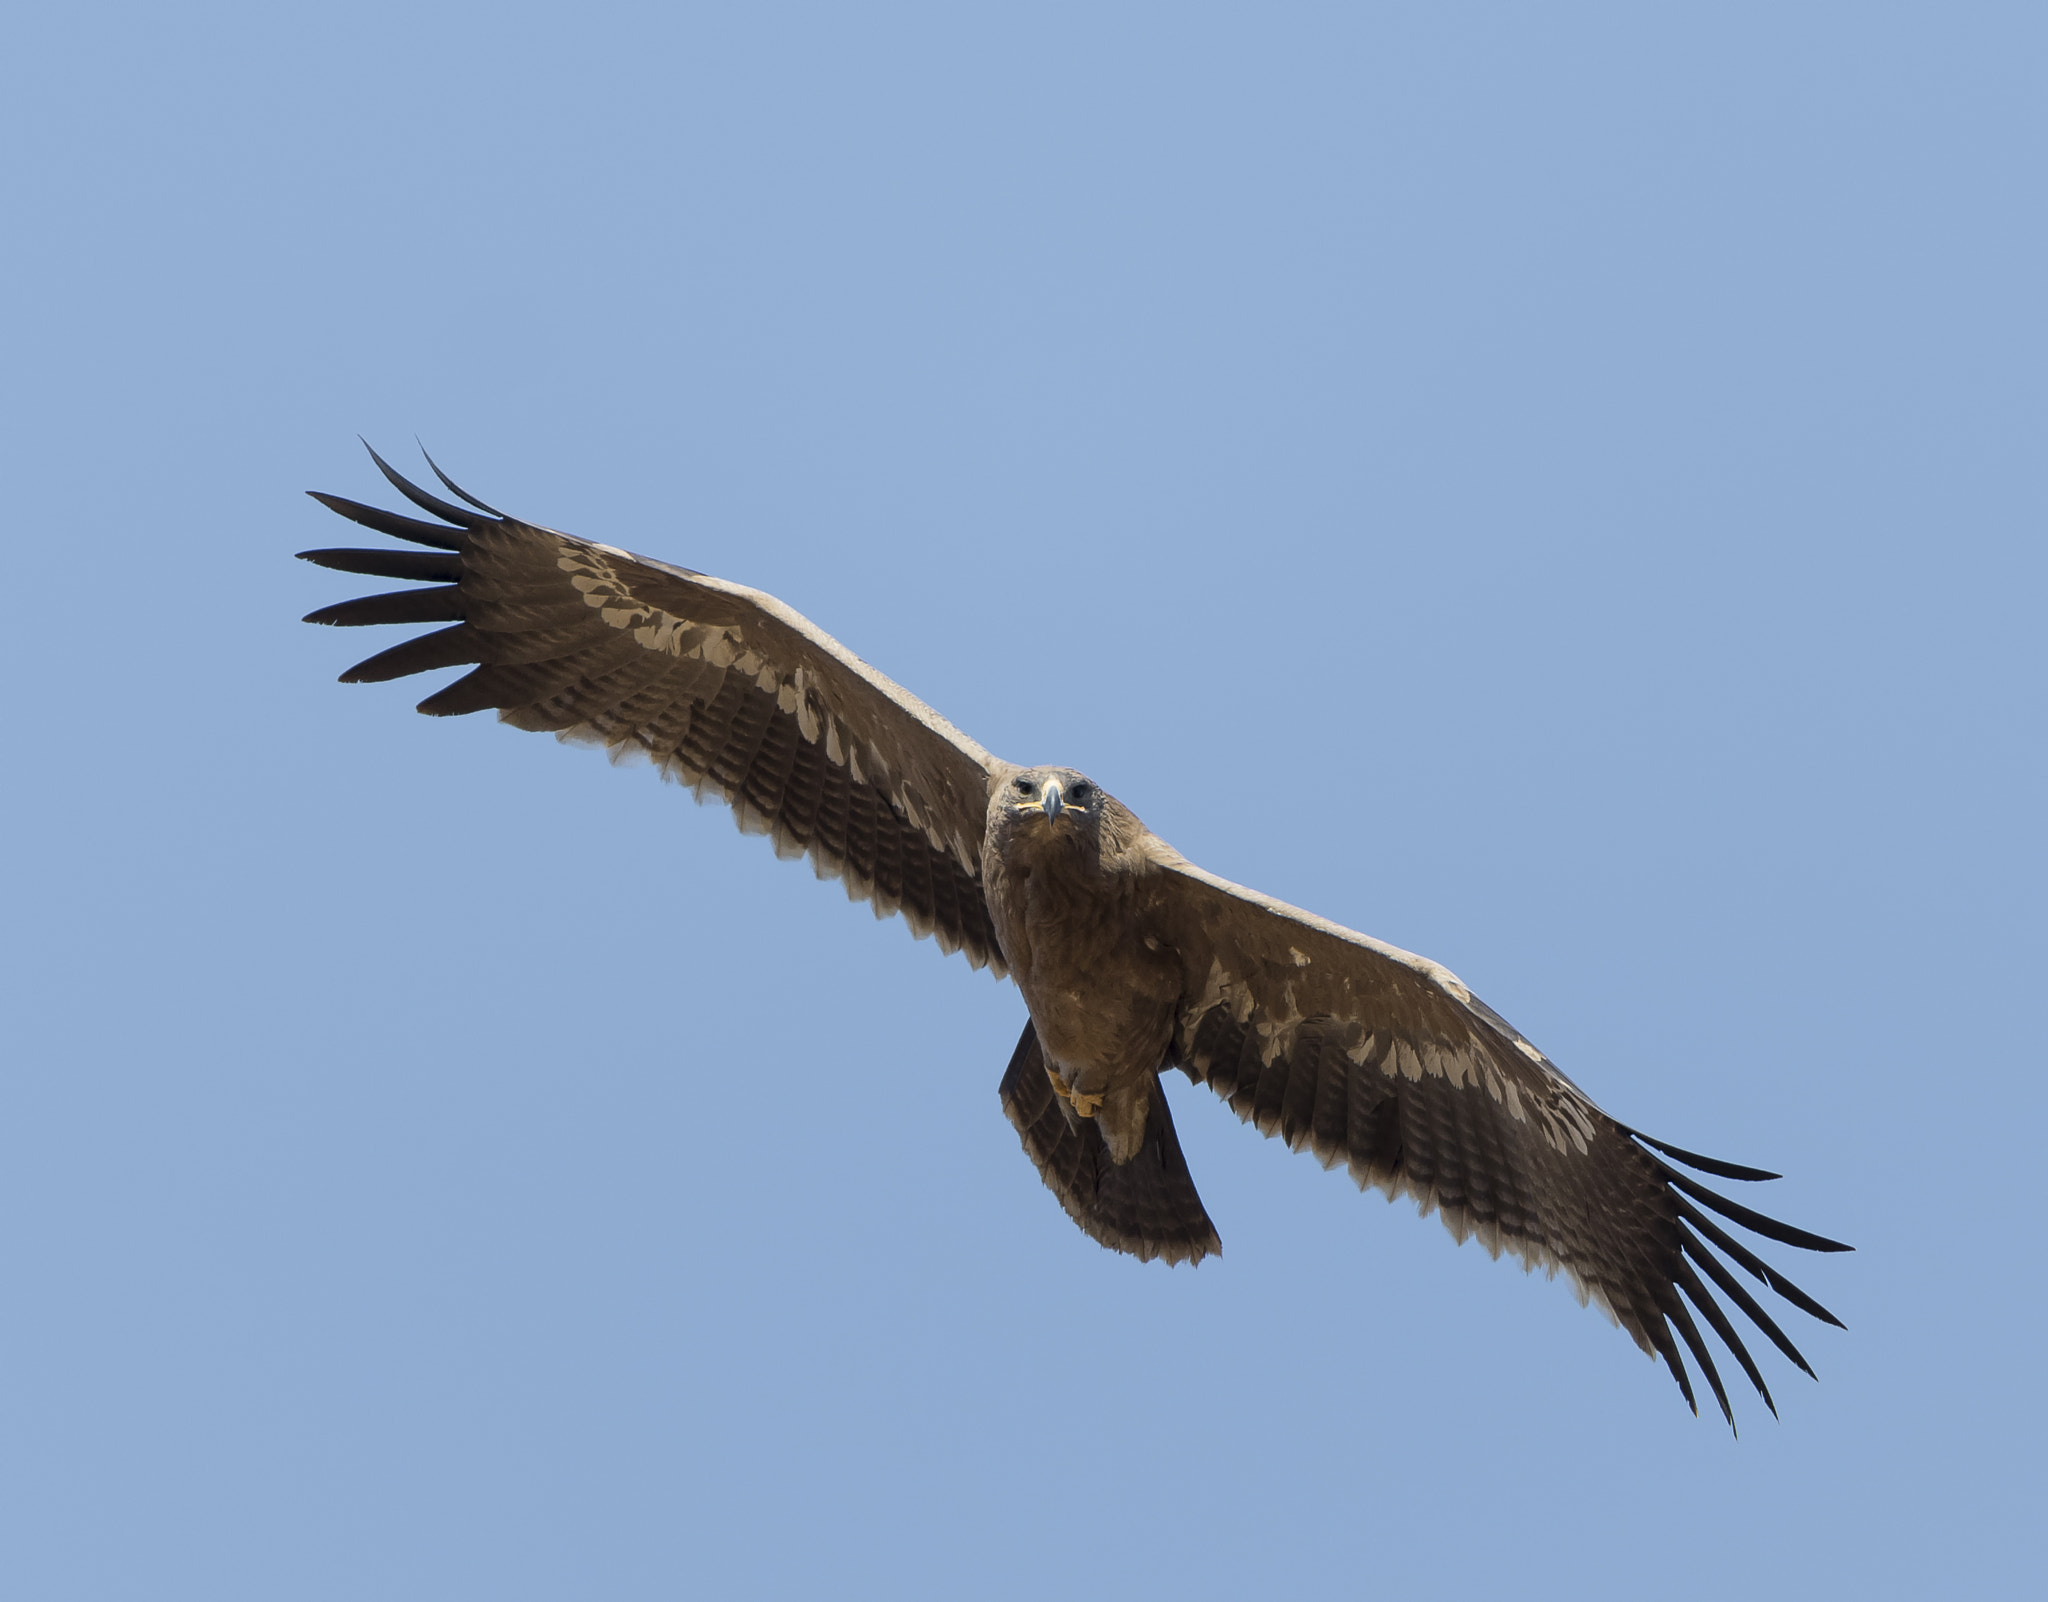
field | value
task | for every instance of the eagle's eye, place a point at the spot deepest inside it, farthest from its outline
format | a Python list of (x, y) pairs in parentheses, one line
[(1023, 786), (1080, 792)]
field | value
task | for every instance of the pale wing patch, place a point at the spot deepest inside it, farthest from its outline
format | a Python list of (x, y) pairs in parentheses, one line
[(1557, 1109), (1221, 989), (708, 657), (725, 646), (1277, 1029), (1445, 979)]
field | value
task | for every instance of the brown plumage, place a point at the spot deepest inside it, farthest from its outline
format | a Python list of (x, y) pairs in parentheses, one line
[(1131, 960)]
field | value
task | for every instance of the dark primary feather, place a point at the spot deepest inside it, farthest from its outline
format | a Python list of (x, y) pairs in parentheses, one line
[(423, 566), (456, 489), (1735, 1291), (1746, 1218), (1756, 1266), (441, 604), (456, 647), (396, 524), (1706, 1165), (461, 516), (1689, 1282)]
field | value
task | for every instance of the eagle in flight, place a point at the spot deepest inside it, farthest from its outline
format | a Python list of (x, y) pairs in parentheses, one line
[(1131, 959)]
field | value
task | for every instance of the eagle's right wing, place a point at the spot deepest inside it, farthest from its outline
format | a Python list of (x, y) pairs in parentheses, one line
[(725, 688)]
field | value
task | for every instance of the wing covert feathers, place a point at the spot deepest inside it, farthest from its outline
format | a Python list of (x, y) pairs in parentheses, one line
[(725, 689), (1385, 1063), (1147, 1206)]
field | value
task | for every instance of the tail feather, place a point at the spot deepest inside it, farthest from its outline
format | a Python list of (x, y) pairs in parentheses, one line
[(1147, 1206)]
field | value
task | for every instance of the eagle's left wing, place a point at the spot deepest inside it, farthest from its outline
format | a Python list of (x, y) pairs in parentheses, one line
[(1373, 1057)]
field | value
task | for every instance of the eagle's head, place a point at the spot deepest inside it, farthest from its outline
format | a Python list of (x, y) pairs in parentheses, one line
[(1054, 797), (1043, 812)]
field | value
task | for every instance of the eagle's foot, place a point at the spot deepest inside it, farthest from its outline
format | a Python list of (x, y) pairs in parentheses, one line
[(1083, 1103)]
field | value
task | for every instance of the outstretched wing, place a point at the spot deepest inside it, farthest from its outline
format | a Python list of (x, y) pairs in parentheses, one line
[(1378, 1059), (721, 686), (1147, 1206)]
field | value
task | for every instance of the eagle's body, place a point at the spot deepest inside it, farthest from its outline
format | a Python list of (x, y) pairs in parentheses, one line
[(1131, 960), (1068, 895)]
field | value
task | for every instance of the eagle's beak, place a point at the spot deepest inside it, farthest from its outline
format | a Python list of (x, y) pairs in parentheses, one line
[(1052, 800)]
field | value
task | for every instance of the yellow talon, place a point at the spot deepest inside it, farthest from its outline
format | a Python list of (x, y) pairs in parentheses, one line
[(1084, 1104)]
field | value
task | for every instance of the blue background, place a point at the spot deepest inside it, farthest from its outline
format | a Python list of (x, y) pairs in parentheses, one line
[(1557, 488)]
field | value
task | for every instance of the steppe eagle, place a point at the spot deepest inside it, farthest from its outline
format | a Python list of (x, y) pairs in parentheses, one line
[(1130, 958)]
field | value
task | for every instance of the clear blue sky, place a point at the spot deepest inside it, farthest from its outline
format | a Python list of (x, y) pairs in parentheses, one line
[(1557, 488)]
